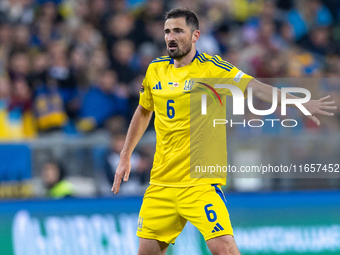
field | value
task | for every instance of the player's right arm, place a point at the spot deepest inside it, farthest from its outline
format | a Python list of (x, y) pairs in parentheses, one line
[(138, 125)]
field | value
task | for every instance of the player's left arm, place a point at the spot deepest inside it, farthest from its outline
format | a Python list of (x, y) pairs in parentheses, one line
[(321, 106)]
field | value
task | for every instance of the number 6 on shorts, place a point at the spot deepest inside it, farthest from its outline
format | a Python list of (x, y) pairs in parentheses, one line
[(210, 213)]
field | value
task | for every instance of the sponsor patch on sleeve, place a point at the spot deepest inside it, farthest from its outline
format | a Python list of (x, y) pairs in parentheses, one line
[(142, 89), (238, 76)]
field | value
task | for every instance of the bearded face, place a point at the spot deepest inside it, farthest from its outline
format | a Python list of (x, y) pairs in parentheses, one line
[(178, 51), (178, 38)]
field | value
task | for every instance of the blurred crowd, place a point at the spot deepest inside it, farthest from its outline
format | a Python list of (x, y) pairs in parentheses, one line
[(76, 65)]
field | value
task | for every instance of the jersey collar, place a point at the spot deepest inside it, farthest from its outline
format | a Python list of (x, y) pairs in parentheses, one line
[(197, 53)]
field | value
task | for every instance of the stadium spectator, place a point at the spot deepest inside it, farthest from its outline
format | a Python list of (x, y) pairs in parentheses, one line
[(44, 32), (53, 176), (4, 101), (78, 66), (17, 11), (49, 107), (243, 10), (5, 35), (123, 60), (16, 111), (99, 62), (19, 65), (286, 35), (119, 27), (208, 42), (102, 101), (21, 111), (308, 13), (319, 41), (88, 39), (98, 9), (21, 38)]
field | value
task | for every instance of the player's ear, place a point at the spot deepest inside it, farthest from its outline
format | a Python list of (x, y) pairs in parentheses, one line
[(195, 35)]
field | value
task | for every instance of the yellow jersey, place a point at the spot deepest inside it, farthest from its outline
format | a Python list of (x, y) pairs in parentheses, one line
[(166, 91)]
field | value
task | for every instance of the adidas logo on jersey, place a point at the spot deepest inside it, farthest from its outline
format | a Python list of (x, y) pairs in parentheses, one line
[(157, 86), (217, 228)]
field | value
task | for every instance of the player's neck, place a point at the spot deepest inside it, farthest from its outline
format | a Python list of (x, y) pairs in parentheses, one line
[(186, 60)]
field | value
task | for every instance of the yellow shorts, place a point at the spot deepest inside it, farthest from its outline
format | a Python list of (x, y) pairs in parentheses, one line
[(166, 210)]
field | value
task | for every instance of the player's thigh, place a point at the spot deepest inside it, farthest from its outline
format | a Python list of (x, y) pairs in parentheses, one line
[(150, 246), (205, 207), (158, 217), (223, 245)]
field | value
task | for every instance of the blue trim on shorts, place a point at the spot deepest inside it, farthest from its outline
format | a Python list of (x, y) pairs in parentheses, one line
[(220, 193)]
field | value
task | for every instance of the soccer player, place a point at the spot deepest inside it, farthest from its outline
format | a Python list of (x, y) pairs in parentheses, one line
[(173, 198)]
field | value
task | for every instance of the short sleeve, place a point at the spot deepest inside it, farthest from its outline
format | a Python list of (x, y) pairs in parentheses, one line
[(234, 75), (145, 95), (228, 74), (239, 78)]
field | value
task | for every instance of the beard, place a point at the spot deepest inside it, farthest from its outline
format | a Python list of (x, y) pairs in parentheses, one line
[(180, 53)]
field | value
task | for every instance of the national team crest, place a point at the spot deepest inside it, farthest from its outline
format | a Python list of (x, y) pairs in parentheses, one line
[(140, 223), (188, 85)]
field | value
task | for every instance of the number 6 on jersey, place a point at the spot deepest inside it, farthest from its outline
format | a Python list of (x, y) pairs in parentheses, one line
[(170, 111)]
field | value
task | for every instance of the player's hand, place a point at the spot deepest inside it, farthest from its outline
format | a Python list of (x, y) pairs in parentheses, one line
[(321, 106), (123, 170)]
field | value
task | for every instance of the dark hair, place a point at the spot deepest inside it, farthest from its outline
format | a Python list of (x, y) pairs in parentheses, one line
[(190, 17), (61, 168)]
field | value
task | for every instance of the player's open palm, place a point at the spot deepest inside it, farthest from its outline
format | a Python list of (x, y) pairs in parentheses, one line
[(321, 106), (123, 170)]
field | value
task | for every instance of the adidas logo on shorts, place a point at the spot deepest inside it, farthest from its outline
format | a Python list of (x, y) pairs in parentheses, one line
[(217, 228)]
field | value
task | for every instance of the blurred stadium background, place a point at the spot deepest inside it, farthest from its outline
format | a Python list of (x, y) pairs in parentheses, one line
[(70, 73)]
